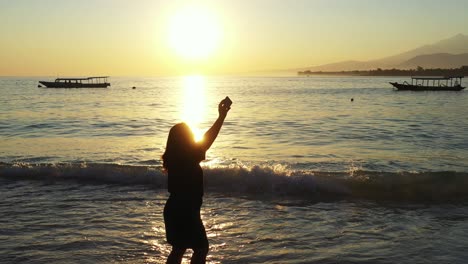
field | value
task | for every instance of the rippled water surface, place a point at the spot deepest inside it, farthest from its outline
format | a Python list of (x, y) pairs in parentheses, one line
[(73, 223), (307, 122), (299, 173)]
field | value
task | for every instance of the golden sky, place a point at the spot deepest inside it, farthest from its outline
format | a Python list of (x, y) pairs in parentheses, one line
[(161, 38)]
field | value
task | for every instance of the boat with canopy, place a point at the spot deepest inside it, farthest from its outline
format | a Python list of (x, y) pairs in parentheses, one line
[(88, 82), (446, 83)]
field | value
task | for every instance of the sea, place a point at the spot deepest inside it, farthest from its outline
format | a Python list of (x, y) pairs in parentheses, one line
[(304, 170)]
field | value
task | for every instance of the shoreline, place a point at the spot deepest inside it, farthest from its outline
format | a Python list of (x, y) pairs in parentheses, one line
[(462, 71)]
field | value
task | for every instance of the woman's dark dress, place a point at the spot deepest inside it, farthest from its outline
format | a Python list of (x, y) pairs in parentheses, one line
[(184, 227)]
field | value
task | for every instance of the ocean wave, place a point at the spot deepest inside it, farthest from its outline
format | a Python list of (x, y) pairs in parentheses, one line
[(273, 181)]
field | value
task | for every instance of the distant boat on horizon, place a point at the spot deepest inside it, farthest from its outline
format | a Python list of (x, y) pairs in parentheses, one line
[(87, 82), (446, 83)]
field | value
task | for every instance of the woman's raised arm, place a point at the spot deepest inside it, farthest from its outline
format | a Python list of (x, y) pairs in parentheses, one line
[(210, 135)]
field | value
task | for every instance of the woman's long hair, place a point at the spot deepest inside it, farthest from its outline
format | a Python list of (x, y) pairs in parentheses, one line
[(180, 144)]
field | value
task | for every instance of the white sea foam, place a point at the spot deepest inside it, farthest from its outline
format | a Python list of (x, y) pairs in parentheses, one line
[(266, 181)]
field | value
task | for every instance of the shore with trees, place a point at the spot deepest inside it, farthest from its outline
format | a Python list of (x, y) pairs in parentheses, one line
[(419, 71)]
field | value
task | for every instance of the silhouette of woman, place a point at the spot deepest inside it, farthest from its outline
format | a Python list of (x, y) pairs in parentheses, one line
[(181, 160)]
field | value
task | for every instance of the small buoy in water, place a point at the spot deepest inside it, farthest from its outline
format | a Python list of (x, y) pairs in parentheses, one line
[(352, 99), (133, 87)]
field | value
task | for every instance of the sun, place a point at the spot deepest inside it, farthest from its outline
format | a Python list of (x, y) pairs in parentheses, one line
[(194, 33)]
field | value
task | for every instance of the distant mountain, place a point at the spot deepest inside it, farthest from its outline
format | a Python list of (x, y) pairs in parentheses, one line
[(340, 66), (438, 60), (455, 45)]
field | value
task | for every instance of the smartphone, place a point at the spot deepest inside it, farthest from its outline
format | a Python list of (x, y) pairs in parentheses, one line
[(227, 101)]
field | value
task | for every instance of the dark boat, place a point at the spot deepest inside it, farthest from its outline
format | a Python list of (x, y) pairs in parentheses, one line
[(449, 83), (89, 82)]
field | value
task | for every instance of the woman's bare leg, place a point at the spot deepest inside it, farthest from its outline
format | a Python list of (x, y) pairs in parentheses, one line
[(176, 256), (199, 256)]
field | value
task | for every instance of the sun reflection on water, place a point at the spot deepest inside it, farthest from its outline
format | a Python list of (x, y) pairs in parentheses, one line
[(193, 112)]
